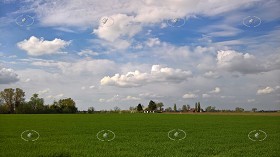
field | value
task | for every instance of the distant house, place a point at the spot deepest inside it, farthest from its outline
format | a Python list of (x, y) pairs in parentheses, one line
[(192, 110)]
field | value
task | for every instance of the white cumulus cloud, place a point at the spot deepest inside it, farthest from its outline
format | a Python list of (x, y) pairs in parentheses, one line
[(189, 96), (137, 78), (234, 61), (123, 26), (216, 90), (37, 47), (266, 90), (8, 76)]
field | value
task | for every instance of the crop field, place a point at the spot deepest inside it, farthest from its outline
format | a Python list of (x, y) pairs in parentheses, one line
[(139, 135)]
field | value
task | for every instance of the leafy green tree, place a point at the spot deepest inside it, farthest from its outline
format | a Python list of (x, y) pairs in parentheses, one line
[(19, 97), (210, 109), (152, 106), (160, 105), (239, 109), (90, 109), (254, 109), (185, 108), (67, 105), (54, 108), (168, 109), (198, 107), (37, 103), (195, 108), (175, 108), (188, 107), (12, 98), (25, 108), (4, 109), (117, 109), (139, 108), (8, 96)]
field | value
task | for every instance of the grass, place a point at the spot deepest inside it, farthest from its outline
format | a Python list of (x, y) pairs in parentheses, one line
[(139, 135)]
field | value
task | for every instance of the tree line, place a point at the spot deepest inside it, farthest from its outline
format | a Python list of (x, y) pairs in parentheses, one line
[(13, 101), (158, 107)]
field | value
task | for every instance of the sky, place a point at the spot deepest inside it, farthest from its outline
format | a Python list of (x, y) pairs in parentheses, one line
[(220, 53)]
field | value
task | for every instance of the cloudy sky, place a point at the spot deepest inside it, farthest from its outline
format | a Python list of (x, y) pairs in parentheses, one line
[(222, 53)]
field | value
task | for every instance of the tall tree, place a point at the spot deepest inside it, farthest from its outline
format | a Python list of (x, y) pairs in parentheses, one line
[(254, 109), (90, 109), (185, 108), (198, 107), (160, 105), (19, 97), (239, 109), (117, 109), (67, 105), (8, 96), (195, 108), (168, 109), (55, 108), (139, 107), (188, 107), (175, 108), (152, 106), (36, 102), (210, 109)]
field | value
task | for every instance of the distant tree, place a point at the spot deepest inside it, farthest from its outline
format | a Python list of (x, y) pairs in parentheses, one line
[(37, 103), (90, 109), (160, 105), (4, 108), (210, 109), (152, 106), (175, 108), (117, 109), (12, 98), (139, 108), (239, 109), (18, 97), (131, 108), (67, 105), (198, 107), (8, 96), (54, 108), (26, 108), (168, 109), (188, 107), (254, 109), (195, 108), (185, 108)]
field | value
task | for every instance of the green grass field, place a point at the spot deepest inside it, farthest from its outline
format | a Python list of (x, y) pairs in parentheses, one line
[(139, 135)]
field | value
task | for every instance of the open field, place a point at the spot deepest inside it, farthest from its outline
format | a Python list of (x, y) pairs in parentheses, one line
[(139, 135)]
